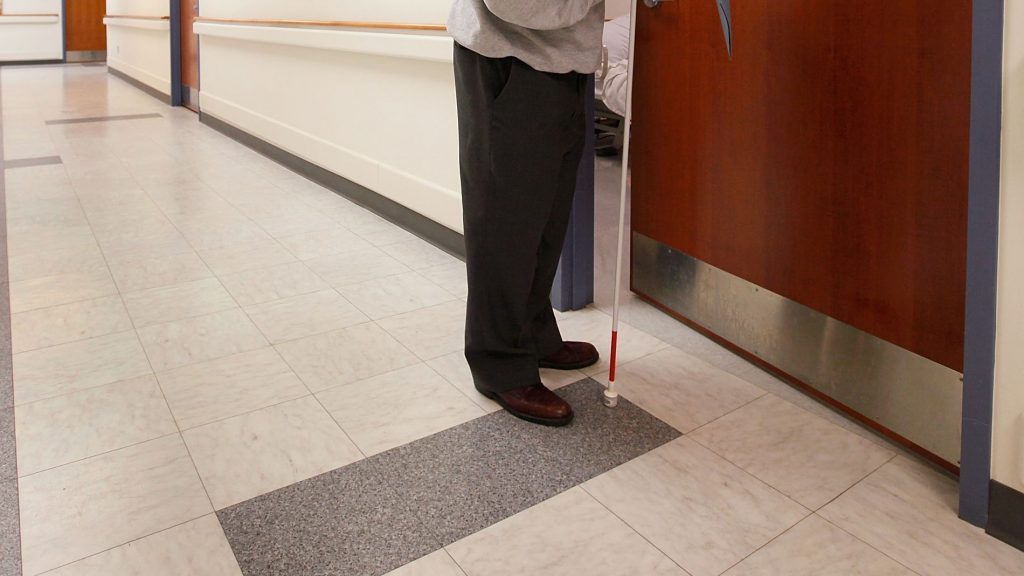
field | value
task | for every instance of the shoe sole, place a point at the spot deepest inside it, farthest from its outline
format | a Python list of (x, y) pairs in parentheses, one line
[(577, 366), (553, 422)]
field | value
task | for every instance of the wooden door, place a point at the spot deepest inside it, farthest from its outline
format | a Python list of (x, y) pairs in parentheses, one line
[(84, 29), (827, 162), (189, 53)]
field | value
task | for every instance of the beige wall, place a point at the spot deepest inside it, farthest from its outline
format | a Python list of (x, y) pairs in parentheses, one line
[(1008, 442), (616, 8)]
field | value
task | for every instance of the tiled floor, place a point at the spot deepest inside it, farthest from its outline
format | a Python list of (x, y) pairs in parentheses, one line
[(220, 368)]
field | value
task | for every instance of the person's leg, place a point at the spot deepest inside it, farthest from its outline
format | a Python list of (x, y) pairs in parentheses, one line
[(544, 328), (516, 127)]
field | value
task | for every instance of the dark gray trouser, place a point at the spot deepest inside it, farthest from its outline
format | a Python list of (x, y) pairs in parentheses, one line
[(521, 138)]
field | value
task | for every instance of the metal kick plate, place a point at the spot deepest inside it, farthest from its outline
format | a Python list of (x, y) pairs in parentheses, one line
[(908, 394)]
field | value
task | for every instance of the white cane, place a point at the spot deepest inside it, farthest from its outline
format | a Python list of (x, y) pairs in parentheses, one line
[(611, 395)]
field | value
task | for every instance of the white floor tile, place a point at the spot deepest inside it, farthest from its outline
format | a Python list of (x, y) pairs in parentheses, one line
[(567, 535), (73, 260), (345, 356), (135, 275), (50, 372), (701, 511), (797, 453), (430, 332), (196, 548), (396, 408), (193, 340), (61, 289), (378, 232), (418, 254), (394, 295), (454, 368), (306, 315), (908, 511), (323, 243), (46, 327), (437, 564), (267, 284), (229, 386), (242, 257), (249, 455), (84, 508), (592, 325), (83, 424), (356, 267), (682, 390), (177, 302), (451, 277), (816, 548)]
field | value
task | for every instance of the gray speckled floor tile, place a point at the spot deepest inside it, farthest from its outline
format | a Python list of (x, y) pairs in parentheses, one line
[(8, 456), (383, 512), (467, 478), (345, 522), (10, 539), (6, 350)]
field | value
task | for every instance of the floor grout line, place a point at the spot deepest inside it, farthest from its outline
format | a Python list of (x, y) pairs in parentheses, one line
[(859, 539), (630, 526)]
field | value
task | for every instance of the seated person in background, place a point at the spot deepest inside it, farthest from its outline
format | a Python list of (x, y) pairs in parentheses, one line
[(612, 86)]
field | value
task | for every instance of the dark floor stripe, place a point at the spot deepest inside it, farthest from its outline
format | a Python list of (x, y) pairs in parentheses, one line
[(30, 162), (10, 525), (381, 513), (103, 119)]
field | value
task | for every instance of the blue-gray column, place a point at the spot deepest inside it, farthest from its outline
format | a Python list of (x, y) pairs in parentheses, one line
[(574, 283), (982, 259)]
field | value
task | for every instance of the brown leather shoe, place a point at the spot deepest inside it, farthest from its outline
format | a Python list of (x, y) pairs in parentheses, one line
[(572, 356), (534, 403)]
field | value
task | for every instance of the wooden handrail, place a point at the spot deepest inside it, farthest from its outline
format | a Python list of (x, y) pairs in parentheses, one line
[(129, 16), (327, 24)]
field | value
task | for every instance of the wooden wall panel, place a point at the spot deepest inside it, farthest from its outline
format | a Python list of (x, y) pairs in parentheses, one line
[(189, 44), (826, 162), (84, 27)]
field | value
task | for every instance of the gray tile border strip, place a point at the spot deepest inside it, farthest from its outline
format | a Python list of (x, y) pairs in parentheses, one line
[(10, 539), (10, 523), (8, 447), (383, 512), (103, 119), (31, 162)]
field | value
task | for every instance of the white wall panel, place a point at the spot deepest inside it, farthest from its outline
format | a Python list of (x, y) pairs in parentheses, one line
[(1008, 441), (385, 122), (406, 11), (377, 108), (142, 48), (23, 39), (139, 7)]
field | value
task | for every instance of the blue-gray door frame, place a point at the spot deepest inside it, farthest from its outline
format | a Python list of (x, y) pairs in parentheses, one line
[(982, 259), (176, 87), (574, 283)]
